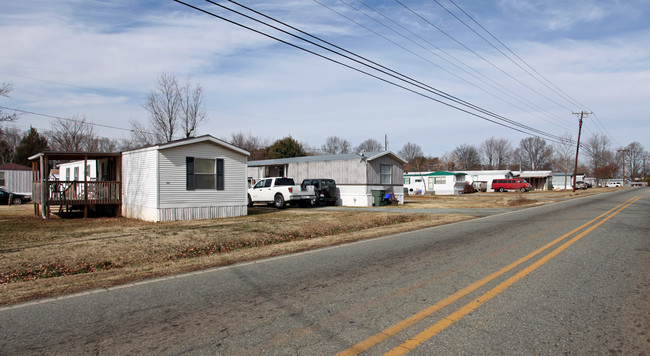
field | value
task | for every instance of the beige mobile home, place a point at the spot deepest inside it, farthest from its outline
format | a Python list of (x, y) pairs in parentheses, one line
[(357, 176), (195, 178)]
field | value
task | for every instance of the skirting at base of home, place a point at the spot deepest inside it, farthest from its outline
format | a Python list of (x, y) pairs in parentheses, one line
[(185, 213)]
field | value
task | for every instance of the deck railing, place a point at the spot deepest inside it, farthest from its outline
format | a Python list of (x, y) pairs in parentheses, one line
[(78, 193)]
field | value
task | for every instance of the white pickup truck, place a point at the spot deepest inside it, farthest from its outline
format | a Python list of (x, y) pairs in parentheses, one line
[(279, 191)]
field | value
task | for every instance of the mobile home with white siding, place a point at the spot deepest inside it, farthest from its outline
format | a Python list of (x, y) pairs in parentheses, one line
[(16, 178), (195, 178), (357, 176)]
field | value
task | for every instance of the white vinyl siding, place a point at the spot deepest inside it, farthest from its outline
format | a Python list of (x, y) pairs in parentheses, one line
[(172, 184), (139, 188)]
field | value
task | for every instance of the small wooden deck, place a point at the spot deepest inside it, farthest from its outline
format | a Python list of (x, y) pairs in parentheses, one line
[(77, 193), (104, 193)]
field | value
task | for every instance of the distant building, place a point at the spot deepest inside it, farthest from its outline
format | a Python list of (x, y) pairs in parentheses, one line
[(437, 183), (16, 178), (357, 177)]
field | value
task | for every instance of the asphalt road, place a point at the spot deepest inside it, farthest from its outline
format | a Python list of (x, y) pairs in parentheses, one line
[(567, 278)]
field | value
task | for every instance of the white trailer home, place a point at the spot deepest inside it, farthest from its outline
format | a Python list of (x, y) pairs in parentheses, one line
[(195, 178), (564, 181), (482, 180), (359, 178), (74, 171), (16, 178), (438, 183)]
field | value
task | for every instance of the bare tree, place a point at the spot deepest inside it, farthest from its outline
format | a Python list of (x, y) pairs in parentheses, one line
[(253, 144), (467, 157), (634, 155), (335, 145), (140, 135), (602, 159), (534, 154), (171, 109), (448, 162), (564, 151), (5, 89), (73, 134), (369, 145), (411, 151), (103, 144), (496, 153), (192, 110)]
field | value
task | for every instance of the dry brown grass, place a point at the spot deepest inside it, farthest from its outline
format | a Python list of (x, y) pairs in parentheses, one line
[(57, 256)]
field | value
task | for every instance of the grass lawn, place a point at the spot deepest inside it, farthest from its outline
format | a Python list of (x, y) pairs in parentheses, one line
[(46, 258)]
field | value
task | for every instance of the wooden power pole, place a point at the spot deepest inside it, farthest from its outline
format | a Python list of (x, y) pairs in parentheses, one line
[(575, 169)]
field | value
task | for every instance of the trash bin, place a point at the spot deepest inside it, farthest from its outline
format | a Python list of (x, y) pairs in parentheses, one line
[(378, 197)]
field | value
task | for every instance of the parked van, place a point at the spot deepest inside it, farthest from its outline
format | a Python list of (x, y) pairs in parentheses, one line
[(503, 185)]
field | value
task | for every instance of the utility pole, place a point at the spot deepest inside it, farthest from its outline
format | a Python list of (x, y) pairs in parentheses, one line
[(575, 169), (623, 165)]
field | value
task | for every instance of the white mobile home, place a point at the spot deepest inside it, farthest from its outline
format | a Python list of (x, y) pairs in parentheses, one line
[(195, 178), (16, 178), (438, 183), (74, 171), (564, 181), (482, 180), (357, 177)]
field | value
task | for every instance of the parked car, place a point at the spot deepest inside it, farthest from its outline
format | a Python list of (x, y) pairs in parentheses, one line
[(503, 185), (581, 185), (325, 190), (16, 199), (613, 184), (278, 191)]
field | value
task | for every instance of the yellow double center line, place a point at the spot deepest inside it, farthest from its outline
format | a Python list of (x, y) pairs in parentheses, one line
[(453, 317)]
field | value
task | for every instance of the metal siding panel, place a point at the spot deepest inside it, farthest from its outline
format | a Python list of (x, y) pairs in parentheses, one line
[(173, 191), (139, 175), (18, 181)]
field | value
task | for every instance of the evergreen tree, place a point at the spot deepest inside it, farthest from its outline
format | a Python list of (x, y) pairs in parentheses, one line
[(286, 148), (31, 144)]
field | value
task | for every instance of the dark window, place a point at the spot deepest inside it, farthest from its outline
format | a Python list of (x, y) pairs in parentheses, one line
[(267, 183), (2, 178), (284, 181), (204, 173)]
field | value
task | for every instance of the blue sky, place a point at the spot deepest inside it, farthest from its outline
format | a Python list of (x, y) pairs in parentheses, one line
[(100, 59)]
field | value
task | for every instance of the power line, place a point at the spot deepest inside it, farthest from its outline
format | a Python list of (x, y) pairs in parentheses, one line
[(398, 75), (476, 54), (495, 85), (65, 118)]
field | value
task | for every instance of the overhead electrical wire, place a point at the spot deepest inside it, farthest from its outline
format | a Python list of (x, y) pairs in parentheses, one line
[(398, 75), (517, 126), (477, 54), (495, 85), (65, 118), (554, 88)]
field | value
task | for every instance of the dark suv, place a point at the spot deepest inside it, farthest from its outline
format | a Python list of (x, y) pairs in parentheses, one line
[(325, 190)]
